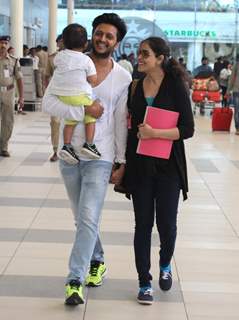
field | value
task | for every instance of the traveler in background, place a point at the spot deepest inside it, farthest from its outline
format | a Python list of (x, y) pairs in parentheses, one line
[(10, 71), (11, 51), (224, 76), (155, 183), (125, 63), (233, 89), (204, 70), (218, 66), (43, 59), (55, 121), (87, 181), (37, 75)]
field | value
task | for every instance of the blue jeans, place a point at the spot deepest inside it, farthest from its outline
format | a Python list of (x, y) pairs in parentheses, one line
[(86, 185), (236, 109)]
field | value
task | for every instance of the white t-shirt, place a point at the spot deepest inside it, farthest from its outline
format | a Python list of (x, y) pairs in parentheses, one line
[(70, 75), (111, 128)]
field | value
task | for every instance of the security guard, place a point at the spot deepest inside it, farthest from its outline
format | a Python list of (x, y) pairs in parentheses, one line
[(9, 71), (55, 122)]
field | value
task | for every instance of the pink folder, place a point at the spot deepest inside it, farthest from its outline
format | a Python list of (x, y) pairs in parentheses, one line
[(159, 119)]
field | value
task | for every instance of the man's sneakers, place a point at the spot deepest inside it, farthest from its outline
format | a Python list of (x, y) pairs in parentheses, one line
[(96, 274), (90, 150), (74, 293), (68, 154), (165, 278), (145, 295)]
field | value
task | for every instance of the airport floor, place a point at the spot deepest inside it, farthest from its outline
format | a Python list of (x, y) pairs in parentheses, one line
[(37, 230)]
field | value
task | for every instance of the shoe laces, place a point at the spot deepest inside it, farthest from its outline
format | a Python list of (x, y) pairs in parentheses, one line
[(166, 275), (146, 291), (75, 284), (94, 269)]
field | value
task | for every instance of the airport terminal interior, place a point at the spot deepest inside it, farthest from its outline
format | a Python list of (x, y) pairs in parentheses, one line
[(37, 227)]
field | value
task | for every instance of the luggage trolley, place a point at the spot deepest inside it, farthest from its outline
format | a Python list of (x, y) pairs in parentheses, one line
[(205, 95)]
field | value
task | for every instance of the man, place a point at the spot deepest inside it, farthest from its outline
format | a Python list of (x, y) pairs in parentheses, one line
[(233, 90), (43, 58), (87, 182), (55, 121), (9, 72), (204, 70)]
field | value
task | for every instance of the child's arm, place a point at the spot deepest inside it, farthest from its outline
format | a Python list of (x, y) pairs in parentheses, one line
[(92, 80)]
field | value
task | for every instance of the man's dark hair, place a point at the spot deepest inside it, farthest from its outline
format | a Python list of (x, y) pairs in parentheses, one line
[(113, 19), (74, 36), (204, 59)]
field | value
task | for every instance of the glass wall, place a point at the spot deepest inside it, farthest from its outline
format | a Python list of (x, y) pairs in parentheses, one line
[(194, 28)]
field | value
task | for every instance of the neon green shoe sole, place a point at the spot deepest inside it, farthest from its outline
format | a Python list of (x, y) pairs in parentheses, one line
[(74, 293)]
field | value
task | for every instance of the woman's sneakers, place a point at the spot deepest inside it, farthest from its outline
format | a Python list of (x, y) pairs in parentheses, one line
[(165, 278), (145, 295)]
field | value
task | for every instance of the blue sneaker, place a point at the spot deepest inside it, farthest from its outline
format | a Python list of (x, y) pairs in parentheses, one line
[(145, 295), (165, 278)]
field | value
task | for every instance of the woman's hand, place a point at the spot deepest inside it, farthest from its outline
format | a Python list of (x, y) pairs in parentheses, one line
[(145, 131)]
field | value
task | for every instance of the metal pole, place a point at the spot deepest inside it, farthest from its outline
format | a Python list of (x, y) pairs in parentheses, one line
[(70, 11), (194, 39), (236, 28)]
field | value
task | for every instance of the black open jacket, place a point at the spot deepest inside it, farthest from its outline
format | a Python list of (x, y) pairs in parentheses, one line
[(172, 95)]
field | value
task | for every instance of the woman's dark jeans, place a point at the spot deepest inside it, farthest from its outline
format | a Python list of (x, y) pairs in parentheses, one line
[(159, 195)]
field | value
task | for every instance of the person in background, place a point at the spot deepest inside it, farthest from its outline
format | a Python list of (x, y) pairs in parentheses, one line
[(42, 65), (124, 62), (87, 181), (224, 76), (25, 51), (154, 183), (204, 70), (218, 66), (233, 89), (55, 121), (10, 71), (11, 51)]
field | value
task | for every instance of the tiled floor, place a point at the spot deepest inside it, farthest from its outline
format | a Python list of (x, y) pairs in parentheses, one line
[(37, 229)]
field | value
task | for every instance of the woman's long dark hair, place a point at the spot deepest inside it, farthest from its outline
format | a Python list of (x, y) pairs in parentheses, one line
[(169, 65)]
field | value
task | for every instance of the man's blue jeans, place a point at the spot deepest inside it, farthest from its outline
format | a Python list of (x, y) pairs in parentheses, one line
[(86, 184), (236, 109)]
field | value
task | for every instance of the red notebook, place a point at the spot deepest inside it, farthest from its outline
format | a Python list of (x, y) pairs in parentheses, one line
[(158, 119)]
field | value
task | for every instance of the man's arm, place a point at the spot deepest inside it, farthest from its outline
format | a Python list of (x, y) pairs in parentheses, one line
[(52, 105), (20, 92)]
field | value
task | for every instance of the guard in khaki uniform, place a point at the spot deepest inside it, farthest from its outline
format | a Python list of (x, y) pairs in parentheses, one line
[(9, 71), (55, 122)]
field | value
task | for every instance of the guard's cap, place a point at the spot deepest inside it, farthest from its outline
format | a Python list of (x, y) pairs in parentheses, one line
[(5, 38), (59, 38)]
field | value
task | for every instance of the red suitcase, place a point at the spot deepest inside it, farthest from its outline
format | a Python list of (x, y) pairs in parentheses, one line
[(199, 95), (221, 119)]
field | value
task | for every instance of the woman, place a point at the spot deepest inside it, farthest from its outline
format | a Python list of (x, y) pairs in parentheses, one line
[(155, 183)]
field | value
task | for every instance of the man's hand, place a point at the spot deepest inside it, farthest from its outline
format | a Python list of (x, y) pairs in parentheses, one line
[(117, 175), (21, 103), (95, 110)]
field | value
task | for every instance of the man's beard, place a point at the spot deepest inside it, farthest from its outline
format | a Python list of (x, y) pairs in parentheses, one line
[(103, 55)]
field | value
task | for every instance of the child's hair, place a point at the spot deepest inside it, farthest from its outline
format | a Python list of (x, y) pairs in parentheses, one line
[(74, 36)]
